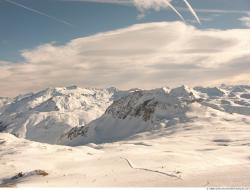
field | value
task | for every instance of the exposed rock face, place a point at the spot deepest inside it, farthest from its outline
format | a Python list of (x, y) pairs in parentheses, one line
[(12, 181), (2, 126), (147, 105), (139, 111), (75, 132)]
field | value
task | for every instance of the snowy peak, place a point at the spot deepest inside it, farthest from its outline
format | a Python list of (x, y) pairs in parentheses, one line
[(231, 99), (210, 91), (4, 101), (184, 92), (46, 115), (140, 111), (150, 105), (61, 99)]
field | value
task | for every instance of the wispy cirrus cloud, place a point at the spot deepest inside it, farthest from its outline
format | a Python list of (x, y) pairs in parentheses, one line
[(38, 12), (129, 2), (145, 55), (144, 5), (192, 11)]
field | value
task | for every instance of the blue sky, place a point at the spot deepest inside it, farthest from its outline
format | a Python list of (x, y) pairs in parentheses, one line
[(136, 44), (23, 29)]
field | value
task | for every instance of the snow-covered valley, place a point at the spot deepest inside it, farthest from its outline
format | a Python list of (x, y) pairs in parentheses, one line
[(107, 137)]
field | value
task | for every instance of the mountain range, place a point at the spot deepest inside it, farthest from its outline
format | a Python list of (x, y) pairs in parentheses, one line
[(77, 116)]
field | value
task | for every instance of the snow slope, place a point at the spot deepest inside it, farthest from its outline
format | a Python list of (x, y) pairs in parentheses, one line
[(48, 114), (155, 109), (211, 150), (231, 99)]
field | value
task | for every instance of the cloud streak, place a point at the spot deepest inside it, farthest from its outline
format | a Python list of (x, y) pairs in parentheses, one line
[(39, 12), (145, 55), (245, 20), (144, 5), (192, 11), (129, 2)]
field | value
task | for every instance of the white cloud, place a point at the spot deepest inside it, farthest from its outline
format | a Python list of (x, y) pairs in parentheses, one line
[(146, 55), (144, 5), (130, 2), (245, 20)]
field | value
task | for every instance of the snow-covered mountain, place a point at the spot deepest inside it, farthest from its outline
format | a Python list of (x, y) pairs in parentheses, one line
[(76, 116), (230, 99), (3, 102), (160, 109), (48, 114), (161, 137)]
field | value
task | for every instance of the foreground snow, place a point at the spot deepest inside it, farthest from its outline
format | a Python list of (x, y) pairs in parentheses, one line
[(213, 151)]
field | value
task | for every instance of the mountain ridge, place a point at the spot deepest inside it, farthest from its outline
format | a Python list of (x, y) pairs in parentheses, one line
[(60, 115)]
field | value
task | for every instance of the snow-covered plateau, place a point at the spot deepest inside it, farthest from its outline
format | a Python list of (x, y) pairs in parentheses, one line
[(107, 137)]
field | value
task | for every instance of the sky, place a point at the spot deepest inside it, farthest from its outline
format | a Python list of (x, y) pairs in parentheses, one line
[(122, 43)]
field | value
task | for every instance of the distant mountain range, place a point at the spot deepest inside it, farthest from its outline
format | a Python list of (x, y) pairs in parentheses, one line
[(75, 116)]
